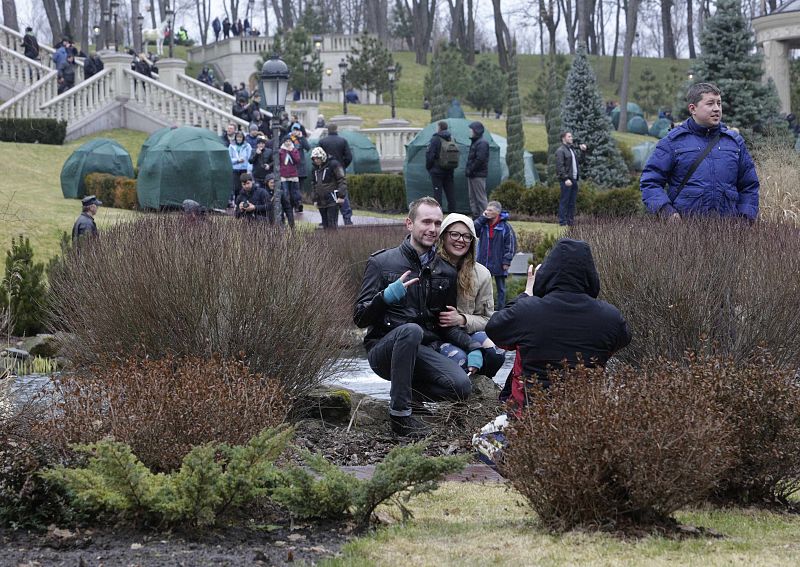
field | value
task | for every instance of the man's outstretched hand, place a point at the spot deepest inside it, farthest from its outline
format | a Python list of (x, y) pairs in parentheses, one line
[(396, 290)]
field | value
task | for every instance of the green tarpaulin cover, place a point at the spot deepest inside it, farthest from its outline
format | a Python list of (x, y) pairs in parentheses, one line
[(151, 141), (660, 128), (97, 156), (641, 153), (185, 163), (418, 182), (365, 155), (531, 176), (633, 110), (637, 125), (455, 110)]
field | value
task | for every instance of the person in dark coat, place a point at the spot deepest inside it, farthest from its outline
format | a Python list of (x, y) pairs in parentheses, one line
[(558, 317), (403, 291), (328, 187), (92, 65), (441, 178), (205, 76), (252, 201), (568, 173), (298, 137), (497, 245), (30, 44), (239, 109), (229, 135), (477, 169), (217, 27), (227, 88), (85, 225), (261, 160), (338, 148), (226, 28), (66, 76)]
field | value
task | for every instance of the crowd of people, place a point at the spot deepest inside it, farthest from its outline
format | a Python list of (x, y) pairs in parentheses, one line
[(235, 29)]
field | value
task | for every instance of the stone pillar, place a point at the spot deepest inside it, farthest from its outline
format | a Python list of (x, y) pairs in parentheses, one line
[(394, 123), (347, 122), (776, 67), (307, 111), (118, 62), (168, 71)]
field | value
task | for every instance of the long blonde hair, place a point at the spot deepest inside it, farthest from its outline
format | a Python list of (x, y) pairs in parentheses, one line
[(465, 265)]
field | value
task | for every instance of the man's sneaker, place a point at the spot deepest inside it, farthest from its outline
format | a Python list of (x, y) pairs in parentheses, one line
[(409, 426), (348, 223)]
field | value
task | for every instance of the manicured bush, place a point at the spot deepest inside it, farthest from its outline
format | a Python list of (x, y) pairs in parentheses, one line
[(509, 193), (33, 130), (168, 284), (23, 292), (734, 283), (542, 200), (118, 192), (617, 452), (377, 191), (164, 407), (617, 203)]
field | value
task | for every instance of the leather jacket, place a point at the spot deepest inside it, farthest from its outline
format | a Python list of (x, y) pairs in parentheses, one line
[(424, 300)]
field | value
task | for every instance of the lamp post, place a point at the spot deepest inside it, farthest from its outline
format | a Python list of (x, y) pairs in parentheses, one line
[(140, 19), (343, 72), (96, 32), (274, 84), (114, 4), (106, 21), (392, 70), (170, 13), (328, 73), (306, 68), (317, 39)]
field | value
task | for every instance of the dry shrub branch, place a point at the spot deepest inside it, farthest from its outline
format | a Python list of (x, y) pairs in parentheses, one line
[(778, 166), (728, 281)]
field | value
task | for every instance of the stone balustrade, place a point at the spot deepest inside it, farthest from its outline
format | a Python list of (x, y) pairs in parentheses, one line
[(82, 100), (27, 103), (12, 39), (19, 71), (205, 93), (177, 107), (391, 142)]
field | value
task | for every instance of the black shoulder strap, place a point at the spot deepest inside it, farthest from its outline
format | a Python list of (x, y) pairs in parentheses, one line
[(696, 164)]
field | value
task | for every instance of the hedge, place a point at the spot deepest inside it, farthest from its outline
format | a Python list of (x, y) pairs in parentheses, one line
[(377, 191), (542, 200), (33, 130), (119, 192)]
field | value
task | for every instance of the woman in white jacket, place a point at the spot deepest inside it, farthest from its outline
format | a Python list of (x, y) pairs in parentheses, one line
[(457, 244)]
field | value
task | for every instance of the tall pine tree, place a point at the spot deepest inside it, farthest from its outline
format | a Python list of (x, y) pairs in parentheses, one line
[(552, 114), (583, 114), (514, 131), (439, 104), (728, 59)]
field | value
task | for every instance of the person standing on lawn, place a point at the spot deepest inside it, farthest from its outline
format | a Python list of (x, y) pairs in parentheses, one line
[(441, 161), (85, 225), (477, 169), (497, 245), (568, 172)]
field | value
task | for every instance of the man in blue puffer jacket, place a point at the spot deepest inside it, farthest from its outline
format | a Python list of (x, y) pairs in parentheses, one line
[(724, 184)]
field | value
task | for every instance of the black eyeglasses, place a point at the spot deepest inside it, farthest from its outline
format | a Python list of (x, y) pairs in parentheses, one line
[(455, 236)]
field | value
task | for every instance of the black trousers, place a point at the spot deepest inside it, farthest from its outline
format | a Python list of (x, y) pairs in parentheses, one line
[(444, 183), (416, 371), (330, 216)]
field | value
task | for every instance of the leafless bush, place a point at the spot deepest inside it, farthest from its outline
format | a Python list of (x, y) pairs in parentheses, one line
[(162, 285), (164, 407), (778, 167), (617, 452), (730, 282)]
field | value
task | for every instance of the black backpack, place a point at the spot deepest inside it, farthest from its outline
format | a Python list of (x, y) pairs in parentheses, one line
[(448, 155)]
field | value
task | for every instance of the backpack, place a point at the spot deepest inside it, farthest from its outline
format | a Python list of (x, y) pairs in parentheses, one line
[(448, 155)]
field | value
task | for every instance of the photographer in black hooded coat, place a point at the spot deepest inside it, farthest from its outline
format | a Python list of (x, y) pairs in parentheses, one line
[(558, 317)]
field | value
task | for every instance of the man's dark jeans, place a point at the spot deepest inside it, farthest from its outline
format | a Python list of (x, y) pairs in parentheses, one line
[(347, 211), (566, 204), (500, 281), (330, 216), (412, 367), (444, 182)]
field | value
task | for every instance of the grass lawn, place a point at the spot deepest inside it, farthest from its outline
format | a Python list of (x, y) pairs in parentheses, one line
[(471, 524)]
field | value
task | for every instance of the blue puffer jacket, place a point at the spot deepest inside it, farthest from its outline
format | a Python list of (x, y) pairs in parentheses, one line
[(724, 184), (499, 250)]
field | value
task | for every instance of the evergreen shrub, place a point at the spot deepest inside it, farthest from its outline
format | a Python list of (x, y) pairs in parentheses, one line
[(33, 131), (377, 191), (542, 200), (163, 407), (734, 283), (172, 285), (23, 292), (113, 191), (615, 452)]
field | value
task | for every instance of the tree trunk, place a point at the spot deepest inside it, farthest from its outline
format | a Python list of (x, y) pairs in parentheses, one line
[(666, 26), (571, 23), (551, 21), (582, 7), (137, 33), (53, 18), (458, 31), (631, 15), (422, 19), (612, 76), (376, 19), (503, 37), (10, 14), (600, 26), (690, 29), (75, 21), (470, 33), (203, 19), (85, 27), (288, 15), (153, 12)]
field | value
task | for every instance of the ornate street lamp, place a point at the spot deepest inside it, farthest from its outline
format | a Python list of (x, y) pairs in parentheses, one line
[(328, 73), (274, 86), (170, 13), (392, 70), (106, 22), (114, 5), (96, 32), (343, 72), (317, 39), (306, 68)]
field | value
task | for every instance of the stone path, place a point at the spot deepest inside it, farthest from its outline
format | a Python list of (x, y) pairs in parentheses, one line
[(472, 473), (312, 216)]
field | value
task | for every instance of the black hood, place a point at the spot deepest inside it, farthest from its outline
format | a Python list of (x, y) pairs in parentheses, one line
[(444, 134), (478, 128), (569, 267)]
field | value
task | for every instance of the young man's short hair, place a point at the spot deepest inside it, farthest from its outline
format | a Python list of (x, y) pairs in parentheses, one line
[(245, 177), (697, 90), (415, 205), (443, 125), (564, 134), (495, 205), (332, 128)]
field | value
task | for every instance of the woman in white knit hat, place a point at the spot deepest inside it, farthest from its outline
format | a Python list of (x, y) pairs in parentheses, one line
[(457, 244)]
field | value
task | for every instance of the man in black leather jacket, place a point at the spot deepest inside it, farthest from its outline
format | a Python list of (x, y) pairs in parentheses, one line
[(403, 292)]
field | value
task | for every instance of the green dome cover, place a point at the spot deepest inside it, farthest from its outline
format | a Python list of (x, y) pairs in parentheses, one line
[(637, 125), (151, 141), (660, 128), (633, 110), (418, 182), (455, 110), (96, 156), (365, 155), (185, 163), (641, 153), (531, 175)]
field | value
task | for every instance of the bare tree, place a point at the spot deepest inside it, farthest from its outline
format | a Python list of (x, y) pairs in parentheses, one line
[(10, 14), (631, 15), (203, 8), (503, 37), (422, 16), (550, 14), (376, 18), (690, 29), (56, 17), (570, 22), (612, 75), (666, 26)]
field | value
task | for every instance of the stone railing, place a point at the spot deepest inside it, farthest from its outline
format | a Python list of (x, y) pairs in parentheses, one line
[(175, 106), (19, 71), (27, 103), (331, 43), (13, 40), (205, 93), (83, 99), (391, 142), (255, 44)]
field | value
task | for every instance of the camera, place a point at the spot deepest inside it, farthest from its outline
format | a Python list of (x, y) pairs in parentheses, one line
[(245, 204)]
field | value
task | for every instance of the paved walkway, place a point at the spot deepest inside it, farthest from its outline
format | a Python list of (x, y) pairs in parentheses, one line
[(472, 473), (311, 215)]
